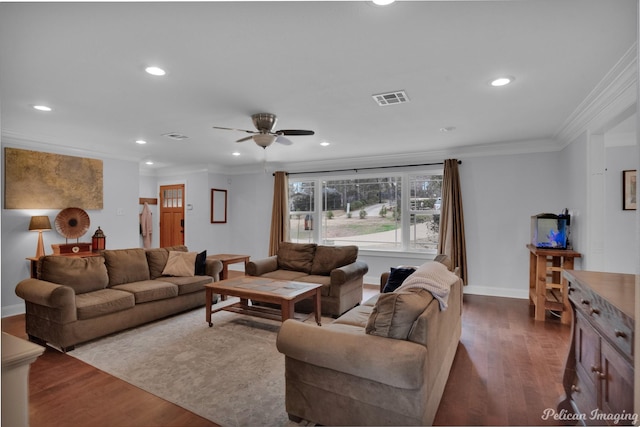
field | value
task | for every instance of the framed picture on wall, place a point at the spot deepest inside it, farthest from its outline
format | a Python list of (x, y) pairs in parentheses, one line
[(629, 201)]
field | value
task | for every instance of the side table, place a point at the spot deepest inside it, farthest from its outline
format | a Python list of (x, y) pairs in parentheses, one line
[(551, 295), (227, 259)]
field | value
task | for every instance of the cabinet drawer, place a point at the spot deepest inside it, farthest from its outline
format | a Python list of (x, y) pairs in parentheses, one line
[(615, 327)]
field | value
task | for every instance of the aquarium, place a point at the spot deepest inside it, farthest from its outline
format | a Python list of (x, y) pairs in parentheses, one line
[(549, 231)]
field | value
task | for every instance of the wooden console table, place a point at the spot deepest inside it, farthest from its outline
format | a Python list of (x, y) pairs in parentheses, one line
[(227, 259), (599, 372), (551, 295)]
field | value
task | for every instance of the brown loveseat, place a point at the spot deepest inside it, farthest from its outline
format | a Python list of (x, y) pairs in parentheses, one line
[(385, 362), (336, 268), (74, 300)]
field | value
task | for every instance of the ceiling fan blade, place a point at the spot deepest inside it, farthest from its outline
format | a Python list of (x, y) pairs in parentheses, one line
[(246, 138), (239, 130), (284, 141), (295, 132)]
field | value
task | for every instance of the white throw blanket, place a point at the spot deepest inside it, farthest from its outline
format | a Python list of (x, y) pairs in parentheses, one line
[(435, 278)]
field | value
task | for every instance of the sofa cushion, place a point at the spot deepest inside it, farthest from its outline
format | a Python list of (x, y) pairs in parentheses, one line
[(181, 264), (187, 285), (296, 256), (284, 275), (81, 274), (149, 290), (104, 301), (395, 312), (396, 277), (126, 265), (325, 281), (329, 257), (157, 259), (357, 316)]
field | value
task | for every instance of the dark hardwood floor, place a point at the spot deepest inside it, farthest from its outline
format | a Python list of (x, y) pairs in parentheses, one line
[(507, 371), (508, 368)]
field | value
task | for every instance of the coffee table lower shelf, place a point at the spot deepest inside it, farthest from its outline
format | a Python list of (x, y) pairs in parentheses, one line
[(259, 311), (275, 292)]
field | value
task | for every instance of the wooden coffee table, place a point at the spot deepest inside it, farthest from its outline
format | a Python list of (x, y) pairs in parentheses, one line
[(281, 292)]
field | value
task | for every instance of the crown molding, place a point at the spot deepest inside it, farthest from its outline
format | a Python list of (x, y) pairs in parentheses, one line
[(613, 95)]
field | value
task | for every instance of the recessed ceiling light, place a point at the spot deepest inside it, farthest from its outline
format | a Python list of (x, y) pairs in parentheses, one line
[(235, 153), (383, 2), (447, 129), (141, 141), (155, 71), (148, 162), (325, 143), (502, 81), (42, 108)]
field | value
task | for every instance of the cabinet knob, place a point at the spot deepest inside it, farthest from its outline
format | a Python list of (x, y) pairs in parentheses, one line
[(620, 334), (598, 371)]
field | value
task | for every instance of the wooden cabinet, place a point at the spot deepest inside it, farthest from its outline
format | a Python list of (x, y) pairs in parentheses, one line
[(598, 378)]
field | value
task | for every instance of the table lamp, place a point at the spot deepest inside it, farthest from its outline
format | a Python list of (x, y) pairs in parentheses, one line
[(39, 223)]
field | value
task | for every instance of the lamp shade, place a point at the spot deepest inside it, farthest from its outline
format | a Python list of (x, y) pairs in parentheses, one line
[(39, 223)]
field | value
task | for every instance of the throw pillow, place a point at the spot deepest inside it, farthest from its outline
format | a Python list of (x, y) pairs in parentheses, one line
[(201, 263), (395, 312), (180, 264), (396, 277)]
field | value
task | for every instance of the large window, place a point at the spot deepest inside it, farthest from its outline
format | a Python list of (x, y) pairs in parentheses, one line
[(398, 212)]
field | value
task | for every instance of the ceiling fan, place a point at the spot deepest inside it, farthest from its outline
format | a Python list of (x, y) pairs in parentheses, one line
[(265, 135)]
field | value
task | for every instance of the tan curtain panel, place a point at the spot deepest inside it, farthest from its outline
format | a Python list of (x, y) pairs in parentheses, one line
[(452, 240), (279, 213)]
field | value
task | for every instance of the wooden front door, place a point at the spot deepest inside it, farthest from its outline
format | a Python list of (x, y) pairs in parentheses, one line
[(171, 215)]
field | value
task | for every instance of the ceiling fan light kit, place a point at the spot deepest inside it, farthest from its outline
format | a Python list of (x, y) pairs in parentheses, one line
[(265, 135), (264, 139)]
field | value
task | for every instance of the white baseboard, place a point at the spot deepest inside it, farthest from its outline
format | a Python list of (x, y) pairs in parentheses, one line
[(496, 292), (12, 310)]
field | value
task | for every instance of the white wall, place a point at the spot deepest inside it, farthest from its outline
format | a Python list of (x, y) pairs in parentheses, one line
[(621, 253), (500, 194), (121, 230)]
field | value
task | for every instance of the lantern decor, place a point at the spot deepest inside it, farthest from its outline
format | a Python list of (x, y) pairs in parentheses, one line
[(98, 240)]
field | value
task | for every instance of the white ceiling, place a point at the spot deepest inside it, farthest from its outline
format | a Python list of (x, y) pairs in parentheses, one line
[(314, 64)]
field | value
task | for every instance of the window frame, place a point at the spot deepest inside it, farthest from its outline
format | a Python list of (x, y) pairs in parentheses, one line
[(405, 201)]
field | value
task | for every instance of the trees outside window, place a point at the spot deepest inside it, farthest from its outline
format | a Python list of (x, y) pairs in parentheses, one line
[(391, 212)]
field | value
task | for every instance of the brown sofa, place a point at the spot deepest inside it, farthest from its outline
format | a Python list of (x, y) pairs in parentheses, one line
[(375, 365), (336, 268), (74, 300)]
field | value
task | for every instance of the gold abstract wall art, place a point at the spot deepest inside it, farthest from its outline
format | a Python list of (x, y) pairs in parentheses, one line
[(38, 180)]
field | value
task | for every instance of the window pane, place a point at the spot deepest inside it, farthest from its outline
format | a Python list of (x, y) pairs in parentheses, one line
[(362, 212), (426, 192), (301, 207), (423, 231)]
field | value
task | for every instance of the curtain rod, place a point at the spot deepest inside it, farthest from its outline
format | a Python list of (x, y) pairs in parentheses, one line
[(362, 169)]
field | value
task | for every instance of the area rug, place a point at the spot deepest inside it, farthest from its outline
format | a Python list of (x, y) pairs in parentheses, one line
[(231, 373)]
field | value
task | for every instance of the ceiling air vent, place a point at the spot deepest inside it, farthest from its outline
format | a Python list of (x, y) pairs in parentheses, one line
[(175, 135), (391, 98)]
